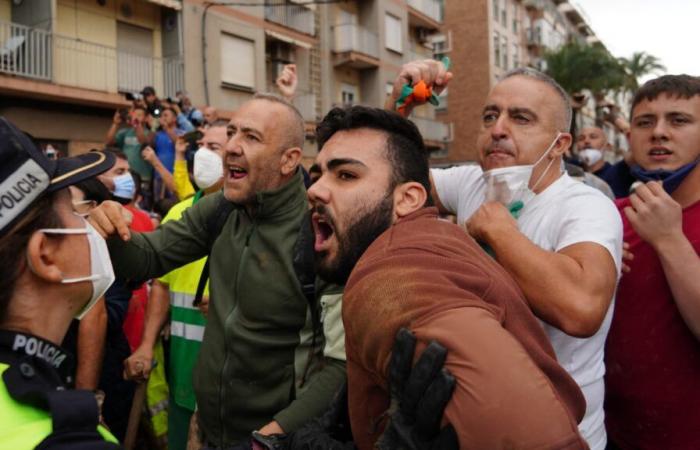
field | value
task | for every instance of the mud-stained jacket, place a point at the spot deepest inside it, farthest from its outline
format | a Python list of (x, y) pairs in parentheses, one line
[(252, 367)]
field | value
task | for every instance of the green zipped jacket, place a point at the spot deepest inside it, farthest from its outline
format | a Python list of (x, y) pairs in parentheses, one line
[(253, 366)]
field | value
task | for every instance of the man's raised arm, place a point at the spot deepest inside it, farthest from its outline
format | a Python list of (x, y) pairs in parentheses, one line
[(141, 256)]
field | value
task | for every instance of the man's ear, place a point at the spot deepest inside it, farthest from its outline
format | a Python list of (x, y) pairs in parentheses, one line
[(409, 197), (564, 143), (290, 160), (41, 257)]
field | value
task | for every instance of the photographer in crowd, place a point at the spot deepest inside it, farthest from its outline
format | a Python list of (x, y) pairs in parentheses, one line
[(129, 132)]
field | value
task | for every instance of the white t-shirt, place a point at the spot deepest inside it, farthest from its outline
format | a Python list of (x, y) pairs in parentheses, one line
[(566, 213)]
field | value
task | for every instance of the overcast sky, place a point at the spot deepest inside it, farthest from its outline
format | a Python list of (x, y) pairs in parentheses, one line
[(668, 29)]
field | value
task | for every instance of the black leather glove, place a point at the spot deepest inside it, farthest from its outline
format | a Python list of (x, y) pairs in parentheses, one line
[(330, 431), (418, 398)]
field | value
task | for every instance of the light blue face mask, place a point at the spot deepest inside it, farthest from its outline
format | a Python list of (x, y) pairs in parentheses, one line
[(124, 186)]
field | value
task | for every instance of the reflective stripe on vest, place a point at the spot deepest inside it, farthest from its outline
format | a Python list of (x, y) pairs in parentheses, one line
[(187, 331)]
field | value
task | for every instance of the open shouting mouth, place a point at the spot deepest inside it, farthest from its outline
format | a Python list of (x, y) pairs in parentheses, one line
[(323, 231), (236, 172)]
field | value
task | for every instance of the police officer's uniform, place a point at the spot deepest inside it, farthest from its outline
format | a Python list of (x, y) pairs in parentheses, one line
[(36, 411)]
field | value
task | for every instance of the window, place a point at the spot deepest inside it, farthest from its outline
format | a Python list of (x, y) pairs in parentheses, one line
[(496, 13), (237, 61), (348, 94), (516, 56), (394, 36), (497, 49), (515, 17), (134, 58), (504, 15), (504, 53)]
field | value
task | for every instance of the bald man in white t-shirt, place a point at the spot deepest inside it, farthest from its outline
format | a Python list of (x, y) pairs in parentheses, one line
[(560, 239)]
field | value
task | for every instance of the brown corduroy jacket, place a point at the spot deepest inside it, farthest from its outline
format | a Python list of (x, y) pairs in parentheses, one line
[(430, 276)]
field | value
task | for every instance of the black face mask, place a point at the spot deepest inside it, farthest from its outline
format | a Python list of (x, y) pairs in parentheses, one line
[(358, 237)]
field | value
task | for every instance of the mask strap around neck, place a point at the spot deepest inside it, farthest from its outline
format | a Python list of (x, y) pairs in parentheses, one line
[(546, 152), (80, 279), (64, 230)]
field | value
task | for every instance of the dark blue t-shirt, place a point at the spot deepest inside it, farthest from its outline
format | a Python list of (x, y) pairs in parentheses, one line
[(618, 177)]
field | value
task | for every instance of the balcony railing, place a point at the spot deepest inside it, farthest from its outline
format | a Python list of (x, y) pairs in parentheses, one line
[(292, 16), (135, 72), (38, 54), (431, 8), (433, 130), (354, 38), (25, 51)]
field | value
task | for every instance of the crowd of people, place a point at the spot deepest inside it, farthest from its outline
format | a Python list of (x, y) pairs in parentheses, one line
[(545, 297)]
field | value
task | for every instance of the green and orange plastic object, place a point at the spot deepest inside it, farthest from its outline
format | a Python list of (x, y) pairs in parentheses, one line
[(420, 93)]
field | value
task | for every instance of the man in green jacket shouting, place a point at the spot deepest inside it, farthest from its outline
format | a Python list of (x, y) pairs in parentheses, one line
[(256, 369)]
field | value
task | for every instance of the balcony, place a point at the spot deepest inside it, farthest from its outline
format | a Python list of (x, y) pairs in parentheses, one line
[(535, 43), (38, 54), (292, 16), (413, 55), (355, 47), (426, 13), (572, 13), (434, 132), (25, 52)]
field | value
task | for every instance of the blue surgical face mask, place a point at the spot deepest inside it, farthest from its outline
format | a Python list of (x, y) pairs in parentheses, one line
[(671, 179), (124, 186)]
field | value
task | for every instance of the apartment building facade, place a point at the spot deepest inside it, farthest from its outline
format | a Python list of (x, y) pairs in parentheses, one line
[(491, 37), (65, 65)]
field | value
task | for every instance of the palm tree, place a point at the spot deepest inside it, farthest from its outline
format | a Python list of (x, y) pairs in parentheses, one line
[(639, 65), (576, 66)]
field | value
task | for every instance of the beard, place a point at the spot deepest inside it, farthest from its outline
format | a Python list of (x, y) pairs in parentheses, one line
[(370, 222)]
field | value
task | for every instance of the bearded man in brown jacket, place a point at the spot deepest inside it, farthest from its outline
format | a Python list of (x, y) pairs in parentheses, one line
[(405, 268)]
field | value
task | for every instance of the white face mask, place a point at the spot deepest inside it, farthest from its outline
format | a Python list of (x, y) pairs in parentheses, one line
[(101, 272), (508, 185), (590, 156), (208, 168)]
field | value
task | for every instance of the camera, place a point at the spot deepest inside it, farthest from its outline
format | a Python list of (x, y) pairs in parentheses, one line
[(133, 96), (175, 100), (124, 115)]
